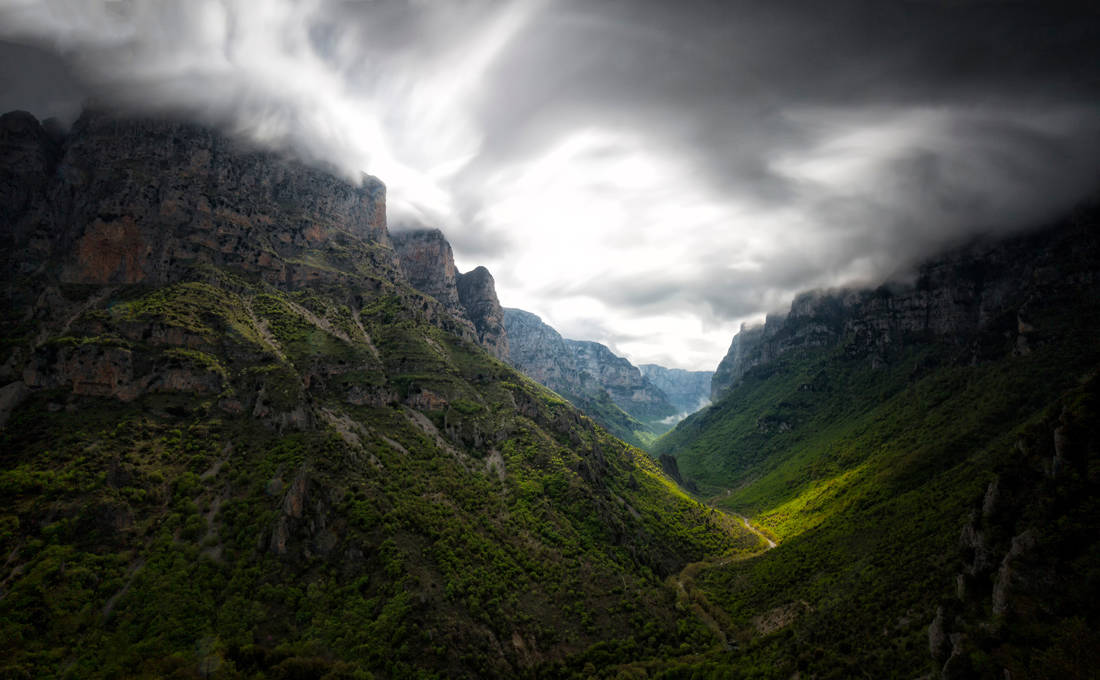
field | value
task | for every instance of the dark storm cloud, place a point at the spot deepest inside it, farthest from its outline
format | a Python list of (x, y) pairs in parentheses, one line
[(717, 76), (36, 80), (630, 160), (1006, 134)]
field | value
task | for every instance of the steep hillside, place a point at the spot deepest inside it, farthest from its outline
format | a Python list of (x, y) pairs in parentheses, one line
[(605, 386), (426, 260), (926, 456), (238, 442)]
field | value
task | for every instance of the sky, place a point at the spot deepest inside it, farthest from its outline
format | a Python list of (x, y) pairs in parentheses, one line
[(646, 174)]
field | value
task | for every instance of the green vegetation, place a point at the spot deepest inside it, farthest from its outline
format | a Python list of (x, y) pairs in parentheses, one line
[(367, 494), (866, 474), (601, 408)]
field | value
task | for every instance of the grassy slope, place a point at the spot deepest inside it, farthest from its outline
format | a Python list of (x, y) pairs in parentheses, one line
[(868, 489), (494, 531)]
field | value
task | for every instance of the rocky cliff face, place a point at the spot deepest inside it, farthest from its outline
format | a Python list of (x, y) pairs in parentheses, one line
[(127, 201), (427, 261), (478, 294), (122, 202), (688, 391), (984, 287), (578, 369), (622, 380), (539, 351), (28, 154)]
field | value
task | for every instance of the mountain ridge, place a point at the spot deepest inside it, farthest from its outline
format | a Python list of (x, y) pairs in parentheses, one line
[(608, 387), (901, 445), (239, 442), (959, 293)]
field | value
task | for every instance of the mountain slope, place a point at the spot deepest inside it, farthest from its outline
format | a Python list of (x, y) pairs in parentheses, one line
[(605, 386), (238, 442), (903, 447)]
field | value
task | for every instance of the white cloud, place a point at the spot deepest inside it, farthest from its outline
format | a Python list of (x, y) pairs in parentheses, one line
[(627, 188)]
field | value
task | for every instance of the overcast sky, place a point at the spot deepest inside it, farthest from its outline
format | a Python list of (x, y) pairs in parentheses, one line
[(644, 174)]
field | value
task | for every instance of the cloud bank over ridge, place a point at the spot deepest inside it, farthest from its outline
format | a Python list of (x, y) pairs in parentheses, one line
[(644, 174)]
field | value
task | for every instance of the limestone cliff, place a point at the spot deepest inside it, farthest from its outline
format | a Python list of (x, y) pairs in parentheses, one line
[(582, 370), (121, 202), (478, 294), (140, 201), (986, 287), (427, 261)]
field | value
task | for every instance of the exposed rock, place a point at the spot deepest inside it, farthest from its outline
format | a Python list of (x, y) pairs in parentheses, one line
[(427, 263), (1009, 576), (108, 370), (576, 369), (28, 155), (478, 295), (975, 544), (538, 350), (303, 529), (11, 395), (976, 297), (748, 349), (672, 469), (939, 646), (117, 216)]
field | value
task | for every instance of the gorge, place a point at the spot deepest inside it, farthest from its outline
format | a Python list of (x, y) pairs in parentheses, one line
[(249, 431)]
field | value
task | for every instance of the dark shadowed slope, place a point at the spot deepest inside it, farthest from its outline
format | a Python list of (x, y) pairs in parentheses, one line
[(238, 442)]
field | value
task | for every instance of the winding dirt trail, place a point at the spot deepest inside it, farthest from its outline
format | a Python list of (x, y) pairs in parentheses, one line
[(688, 595), (750, 527)]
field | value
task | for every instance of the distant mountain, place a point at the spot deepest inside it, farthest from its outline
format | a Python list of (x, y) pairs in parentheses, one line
[(606, 386), (245, 432), (688, 391), (926, 455)]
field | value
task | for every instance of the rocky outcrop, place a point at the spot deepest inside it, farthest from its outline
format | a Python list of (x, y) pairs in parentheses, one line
[(687, 391), (428, 263), (981, 290), (672, 469), (539, 351), (120, 202), (145, 201), (580, 369), (111, 369), (478, 294)]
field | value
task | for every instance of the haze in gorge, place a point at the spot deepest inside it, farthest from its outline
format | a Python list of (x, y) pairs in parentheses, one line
[(549, 339)]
